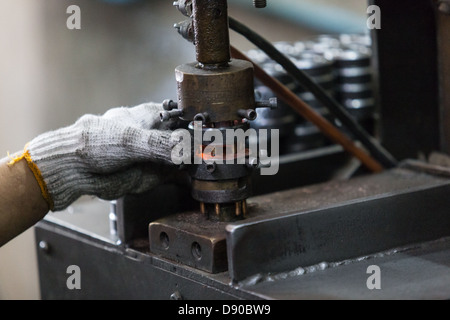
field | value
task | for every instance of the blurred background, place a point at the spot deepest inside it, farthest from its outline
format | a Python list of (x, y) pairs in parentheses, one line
[(125, 54)]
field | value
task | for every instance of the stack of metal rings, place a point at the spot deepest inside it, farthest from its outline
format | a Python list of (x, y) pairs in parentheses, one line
[(351, 56), (340, 64)]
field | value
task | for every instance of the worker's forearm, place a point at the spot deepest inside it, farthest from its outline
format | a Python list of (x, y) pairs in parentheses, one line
[(21, 201)]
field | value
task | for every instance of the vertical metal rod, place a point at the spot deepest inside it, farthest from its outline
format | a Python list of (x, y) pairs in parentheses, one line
[(244, 208), (238, 208), (202, 208), (211, 32), (217, 209)]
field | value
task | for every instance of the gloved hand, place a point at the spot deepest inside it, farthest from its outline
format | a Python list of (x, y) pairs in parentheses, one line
[(127, 150)]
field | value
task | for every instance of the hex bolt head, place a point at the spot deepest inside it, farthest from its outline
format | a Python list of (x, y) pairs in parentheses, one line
[(249, 114), (211, 167), (169, 105), (203, 117), (164, 116), (272, 103)]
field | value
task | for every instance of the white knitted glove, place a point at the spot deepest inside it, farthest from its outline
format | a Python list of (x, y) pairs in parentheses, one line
[(124, 151)]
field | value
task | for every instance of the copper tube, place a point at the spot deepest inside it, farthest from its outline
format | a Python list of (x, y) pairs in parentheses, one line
[(310, 114)]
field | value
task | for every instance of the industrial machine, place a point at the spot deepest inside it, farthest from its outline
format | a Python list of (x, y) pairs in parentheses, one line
[(316, 228)]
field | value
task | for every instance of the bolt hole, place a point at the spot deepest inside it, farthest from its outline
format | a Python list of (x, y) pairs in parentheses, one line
[(196, 250), (210, 167), (164, 240), (217, 13), (252, 115), (200, 117)]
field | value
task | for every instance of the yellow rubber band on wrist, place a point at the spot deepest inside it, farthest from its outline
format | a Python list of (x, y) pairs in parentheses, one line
[(37, 174)]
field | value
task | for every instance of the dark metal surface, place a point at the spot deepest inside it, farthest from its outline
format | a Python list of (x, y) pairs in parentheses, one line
[(191, 239), (135, 212), (220, 92), (337, 221), (224, 191), (212, 40), (115, 272), (406, 63), (418, 271)]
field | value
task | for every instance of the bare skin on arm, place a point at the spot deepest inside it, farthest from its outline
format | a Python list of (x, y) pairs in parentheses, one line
[(21, 202)]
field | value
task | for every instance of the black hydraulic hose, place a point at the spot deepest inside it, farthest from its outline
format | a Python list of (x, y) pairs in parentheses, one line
[(335, 108)]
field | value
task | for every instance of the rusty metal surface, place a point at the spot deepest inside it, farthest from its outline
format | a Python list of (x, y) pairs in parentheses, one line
[(191, 239), (221, 93), (211, 33), (334, 192)]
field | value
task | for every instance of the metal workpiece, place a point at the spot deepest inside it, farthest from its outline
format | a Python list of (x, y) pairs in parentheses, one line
[(336, 221), (191, 239), (320, 224), (211, 32), (221, 191), (415, 272), (221, 92), (221, 181), (313, 242), (215, 172)]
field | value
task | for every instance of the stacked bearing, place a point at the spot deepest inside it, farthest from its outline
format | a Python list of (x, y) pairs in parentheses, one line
[(351, 56), (341, 65)]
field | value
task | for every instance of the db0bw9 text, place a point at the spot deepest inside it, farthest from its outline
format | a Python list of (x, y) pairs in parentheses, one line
[(245, 309)]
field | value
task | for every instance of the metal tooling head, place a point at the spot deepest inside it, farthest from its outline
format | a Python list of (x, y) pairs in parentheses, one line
[(218, 92)]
